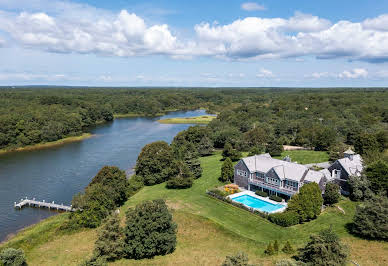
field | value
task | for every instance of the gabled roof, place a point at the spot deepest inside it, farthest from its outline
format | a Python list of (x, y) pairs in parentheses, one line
[(264, 163), (352, 166), (313, 176), (349, 151)]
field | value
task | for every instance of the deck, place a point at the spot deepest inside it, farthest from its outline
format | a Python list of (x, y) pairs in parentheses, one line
[(42, 204)]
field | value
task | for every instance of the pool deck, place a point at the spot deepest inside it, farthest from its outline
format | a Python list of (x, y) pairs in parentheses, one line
[(252, 194)]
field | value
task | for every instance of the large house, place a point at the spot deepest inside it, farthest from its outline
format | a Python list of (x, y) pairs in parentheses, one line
[(279, 177), (285, 178)]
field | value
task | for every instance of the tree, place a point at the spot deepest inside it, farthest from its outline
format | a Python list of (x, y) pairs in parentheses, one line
[(154, 163), (324, 137), (288, 249), (371, 218), (240, 259), (227, 171), (12, 257), (255, 137), (336, 151), (359, 188), (205, 146), (332, 194), (307, 203), (256, 151), (276, 246), (228, 151), (377, 174), (181, 176), (274, 149), (323, 249), (109, 244), (365, 142), (149, 231), (270, 250)]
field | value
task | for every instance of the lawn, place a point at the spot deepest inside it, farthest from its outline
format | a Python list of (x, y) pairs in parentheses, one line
[(208, 230), (203, 119), (306, 156)]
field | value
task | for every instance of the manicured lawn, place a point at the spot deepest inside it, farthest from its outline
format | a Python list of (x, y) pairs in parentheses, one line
[(306, 156), (208, 230), (203, 119)]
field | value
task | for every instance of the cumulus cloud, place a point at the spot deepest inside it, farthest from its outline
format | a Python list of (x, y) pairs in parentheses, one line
[(98, 31), (265, 73), (354, 74), (252, 6)]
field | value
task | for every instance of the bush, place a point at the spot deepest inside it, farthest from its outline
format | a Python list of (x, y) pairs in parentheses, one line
[(12, 257), (275, 198), (149, 231), (332, 194), (261, 193), (359, 188), (269, 250), (240, 259), (217, 192), (371, 218), (285, 219), (227, 171), (307, 203), (181, 176), (276, 246), (323, 249), (288, 249), (135, 183), (289, 262)]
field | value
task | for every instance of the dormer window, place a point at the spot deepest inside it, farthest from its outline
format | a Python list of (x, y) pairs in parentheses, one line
[(242, 173)]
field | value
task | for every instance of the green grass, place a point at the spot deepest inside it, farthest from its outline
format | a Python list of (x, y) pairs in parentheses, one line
[(208, 230), (306, 156), (203, 119), (48, 144)]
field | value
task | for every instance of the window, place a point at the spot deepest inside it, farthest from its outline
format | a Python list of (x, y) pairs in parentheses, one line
[(259, 175), (242, 173)]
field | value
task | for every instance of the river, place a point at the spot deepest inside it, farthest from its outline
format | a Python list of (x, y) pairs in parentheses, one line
[(56, 174)]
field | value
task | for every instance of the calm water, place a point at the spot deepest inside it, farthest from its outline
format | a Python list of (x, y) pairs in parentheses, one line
[(56, 174)]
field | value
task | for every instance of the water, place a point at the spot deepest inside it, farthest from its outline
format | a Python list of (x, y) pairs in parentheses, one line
[(56, 174), (259, 204)]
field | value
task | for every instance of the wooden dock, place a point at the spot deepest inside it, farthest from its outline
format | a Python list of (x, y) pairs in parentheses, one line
[(43, 204)]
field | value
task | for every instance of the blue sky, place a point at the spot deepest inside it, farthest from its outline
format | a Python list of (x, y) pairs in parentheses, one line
[(194, 43)]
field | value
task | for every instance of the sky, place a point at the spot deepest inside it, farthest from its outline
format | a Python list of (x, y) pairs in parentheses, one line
[(232, 43)]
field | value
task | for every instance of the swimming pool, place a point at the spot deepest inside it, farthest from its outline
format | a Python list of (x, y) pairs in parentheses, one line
[(258, 204)]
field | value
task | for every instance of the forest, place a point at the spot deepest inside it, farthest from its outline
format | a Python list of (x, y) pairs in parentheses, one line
[(247, 117)]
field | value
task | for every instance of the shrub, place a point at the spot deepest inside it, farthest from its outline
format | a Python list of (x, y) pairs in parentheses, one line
[(227, 171), (285, 219), (323, 249), (307, 203), (377, 174), (359, 188), (135, 183), (371, 218), (275, 198), (332, 194), (109, 244), (240, 259), (220, 193), (149, 231), (288, 249), (261, 193), (12, 257), (270, 250), (276, 246), (289, 262), (181, 176)]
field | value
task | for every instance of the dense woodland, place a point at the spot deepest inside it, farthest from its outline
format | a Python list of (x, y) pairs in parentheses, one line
[(247, 118)]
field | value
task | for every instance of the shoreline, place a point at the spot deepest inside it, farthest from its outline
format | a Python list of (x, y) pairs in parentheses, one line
[(48, 144), (203, 119)]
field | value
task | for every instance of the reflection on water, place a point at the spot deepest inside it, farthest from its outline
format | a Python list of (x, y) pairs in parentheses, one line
[(57, 173)]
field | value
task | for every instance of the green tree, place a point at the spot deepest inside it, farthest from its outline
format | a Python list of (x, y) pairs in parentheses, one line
[(307, 203), (228, 151), (371, 218), (276, 246), (336, 151), (274, 149), (239, 259), (323, 249), (154, 163), (12, 257), (377, 174), (109, 244), (366, 142), (270, 250), (205, 146), (332, 194), (227, 171), (288, 249), (182, 177), (359, 188), (149, 231), (256, 151), (324, 137)]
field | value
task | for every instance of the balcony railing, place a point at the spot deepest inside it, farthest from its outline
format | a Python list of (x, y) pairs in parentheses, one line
[(287, 189)]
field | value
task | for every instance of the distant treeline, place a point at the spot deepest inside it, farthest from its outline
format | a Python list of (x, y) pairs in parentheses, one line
[(248, 117)]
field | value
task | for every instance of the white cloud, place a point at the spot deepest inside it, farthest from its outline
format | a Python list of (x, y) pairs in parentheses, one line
[(265, 73), (354, 74), (252, 6), (318, 75), (66, 27)]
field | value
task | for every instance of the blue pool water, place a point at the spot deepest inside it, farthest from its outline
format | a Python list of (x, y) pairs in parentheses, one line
[(259, 204)]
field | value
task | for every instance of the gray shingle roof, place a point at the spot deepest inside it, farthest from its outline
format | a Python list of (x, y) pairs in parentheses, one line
[(354, 166)]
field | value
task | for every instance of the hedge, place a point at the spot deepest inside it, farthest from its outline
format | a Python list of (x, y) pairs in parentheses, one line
[(285, 219), (276, 198), (261, 193)]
